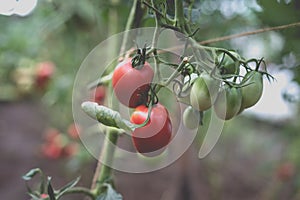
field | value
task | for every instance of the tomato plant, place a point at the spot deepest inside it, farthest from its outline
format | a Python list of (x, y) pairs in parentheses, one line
[(229, 65), (252, 90), (228, 102), (131, 84), (204, 92), (156, 134)]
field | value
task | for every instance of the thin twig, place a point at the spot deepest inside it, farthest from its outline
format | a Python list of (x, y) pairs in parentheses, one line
[(228, 37)]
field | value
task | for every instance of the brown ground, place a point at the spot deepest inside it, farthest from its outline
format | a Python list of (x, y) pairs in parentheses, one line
[(22, 123)]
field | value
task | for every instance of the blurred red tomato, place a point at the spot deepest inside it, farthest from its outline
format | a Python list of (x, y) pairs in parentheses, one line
[(98, 95), (286, 171), (44, 72), (74, 131)]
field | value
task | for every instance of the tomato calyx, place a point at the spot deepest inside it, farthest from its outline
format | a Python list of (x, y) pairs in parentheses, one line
[(139, 59)]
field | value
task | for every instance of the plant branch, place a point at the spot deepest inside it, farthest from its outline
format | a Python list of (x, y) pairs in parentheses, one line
[(107, 155), (228, 37), (82, 190), (179, 16), (224, 38), (129, 24)]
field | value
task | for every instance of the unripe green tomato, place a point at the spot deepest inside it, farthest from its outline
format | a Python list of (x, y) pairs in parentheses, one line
[(191, 118), (228, 103), (252, 92), (204, 92), (229, 66)]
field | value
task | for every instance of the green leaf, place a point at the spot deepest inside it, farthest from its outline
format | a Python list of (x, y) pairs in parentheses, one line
[(106, 116), (50, 190), (29, 175), (110, 194), (109, 117), (67, 187)]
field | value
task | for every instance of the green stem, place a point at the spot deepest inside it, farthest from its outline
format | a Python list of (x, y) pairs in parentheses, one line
[(103, 171), (154, 43), (107, 155), (173, 75), (81, 190), (179, 16), (128, 27)]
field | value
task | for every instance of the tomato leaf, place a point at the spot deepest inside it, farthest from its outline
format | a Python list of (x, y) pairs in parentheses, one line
[(110, 194), (29, 175), (110, 117), (67, 187), (50, 190)]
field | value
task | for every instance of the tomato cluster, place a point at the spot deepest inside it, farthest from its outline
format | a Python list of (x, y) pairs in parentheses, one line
[(132, 87), (58, 145), (228, 98)]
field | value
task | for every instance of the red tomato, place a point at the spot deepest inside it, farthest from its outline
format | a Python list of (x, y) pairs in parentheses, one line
[(44, 72), (52, 150), (131, 85), (44, 196), (74, 131), (286, 171), (98, 95), (156, 134)]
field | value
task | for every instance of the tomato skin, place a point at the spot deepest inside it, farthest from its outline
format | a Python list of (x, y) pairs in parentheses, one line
[(131, 85), (228, 103), (156, 134), (191, 118), (98, 95), (252, 92), (204, 92)]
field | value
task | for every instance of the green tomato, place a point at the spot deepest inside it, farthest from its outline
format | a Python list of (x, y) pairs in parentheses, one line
[(204, 92), (191, 118), (252, 92), (228, 103), (228, 66)]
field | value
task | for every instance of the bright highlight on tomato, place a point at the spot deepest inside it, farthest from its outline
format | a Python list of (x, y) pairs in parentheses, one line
[(156, 134), (131, 85)]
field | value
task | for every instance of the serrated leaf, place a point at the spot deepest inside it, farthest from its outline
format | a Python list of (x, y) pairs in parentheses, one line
[(110, 194), (29, 175)]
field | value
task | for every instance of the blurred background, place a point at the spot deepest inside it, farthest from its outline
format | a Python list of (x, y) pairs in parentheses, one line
[(41, 49)]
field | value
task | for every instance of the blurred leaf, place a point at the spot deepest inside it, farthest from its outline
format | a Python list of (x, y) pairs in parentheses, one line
[(67, 187), (29, 175), (50, 190), (110, 194)]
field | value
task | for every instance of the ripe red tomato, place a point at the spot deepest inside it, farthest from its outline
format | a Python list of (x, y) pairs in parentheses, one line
[(44, 72), (52, 150), (131, 85), (74, 131), (98, 95), (156, 134)]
